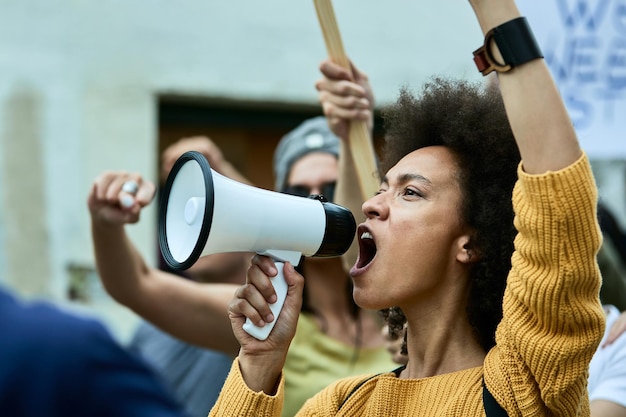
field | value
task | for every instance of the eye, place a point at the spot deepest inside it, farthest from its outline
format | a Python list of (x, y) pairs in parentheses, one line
[(411, 192)]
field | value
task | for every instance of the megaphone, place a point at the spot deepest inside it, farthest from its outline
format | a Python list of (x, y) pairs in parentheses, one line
[(203, 212)]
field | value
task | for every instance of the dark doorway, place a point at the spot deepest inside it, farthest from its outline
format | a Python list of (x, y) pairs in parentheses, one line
[(247, 133)]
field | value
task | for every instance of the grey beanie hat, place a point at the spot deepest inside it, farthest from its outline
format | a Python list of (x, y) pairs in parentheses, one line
[(312, 135)]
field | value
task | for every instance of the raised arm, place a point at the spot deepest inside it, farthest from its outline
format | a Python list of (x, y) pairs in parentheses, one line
[(191, 311), (346, 96), (551, 296), (542, 127)]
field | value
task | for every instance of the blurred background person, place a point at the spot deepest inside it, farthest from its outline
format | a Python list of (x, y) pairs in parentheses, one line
[(612, 259), (57, 364), (607, 370)]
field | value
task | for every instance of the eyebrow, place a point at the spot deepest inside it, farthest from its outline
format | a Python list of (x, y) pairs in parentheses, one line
[(404, 178)]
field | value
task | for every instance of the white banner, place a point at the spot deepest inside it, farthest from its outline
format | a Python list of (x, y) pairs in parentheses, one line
[(584, 43)]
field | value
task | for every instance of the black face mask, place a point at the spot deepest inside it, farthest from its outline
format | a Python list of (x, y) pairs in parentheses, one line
[(327, 190)]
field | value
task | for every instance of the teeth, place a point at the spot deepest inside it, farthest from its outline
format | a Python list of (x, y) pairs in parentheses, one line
[(366, 235)]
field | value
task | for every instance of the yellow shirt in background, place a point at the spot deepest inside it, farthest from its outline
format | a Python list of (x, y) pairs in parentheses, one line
[(315, 360)]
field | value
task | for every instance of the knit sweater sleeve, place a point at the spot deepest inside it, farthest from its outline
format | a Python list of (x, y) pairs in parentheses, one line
[(237, 400), (552, 318)]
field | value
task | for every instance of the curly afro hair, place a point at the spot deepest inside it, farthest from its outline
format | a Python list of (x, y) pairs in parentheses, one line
[(470, 120)]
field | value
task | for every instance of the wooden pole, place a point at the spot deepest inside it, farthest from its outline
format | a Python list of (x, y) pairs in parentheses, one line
[(360, 142)]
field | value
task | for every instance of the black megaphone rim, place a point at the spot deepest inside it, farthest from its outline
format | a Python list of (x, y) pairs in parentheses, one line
[(208, 211)]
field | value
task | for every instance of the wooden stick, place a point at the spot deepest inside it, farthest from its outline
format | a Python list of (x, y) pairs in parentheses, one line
[(359, 137)]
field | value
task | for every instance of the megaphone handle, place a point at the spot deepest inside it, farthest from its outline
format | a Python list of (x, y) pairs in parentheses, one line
[(280, 287)]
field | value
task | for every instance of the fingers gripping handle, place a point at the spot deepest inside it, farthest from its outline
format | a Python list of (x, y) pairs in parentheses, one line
[(280, 286)]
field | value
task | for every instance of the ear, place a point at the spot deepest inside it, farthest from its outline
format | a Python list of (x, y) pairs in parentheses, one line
[(467, 253)]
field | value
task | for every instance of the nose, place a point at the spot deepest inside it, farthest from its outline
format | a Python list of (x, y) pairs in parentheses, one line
[(375, 206)]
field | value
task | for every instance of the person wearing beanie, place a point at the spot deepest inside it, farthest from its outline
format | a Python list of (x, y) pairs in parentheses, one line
[(335, 338), (312, 135), (315, 135)]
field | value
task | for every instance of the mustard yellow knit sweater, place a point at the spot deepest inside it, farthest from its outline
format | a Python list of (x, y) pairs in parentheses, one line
[(551, 327)]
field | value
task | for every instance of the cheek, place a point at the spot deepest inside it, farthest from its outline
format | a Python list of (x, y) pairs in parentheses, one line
[(418, 255), (411, 239), (426, 232)]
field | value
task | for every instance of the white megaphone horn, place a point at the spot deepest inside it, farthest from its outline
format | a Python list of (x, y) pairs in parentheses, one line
[(203, 212)]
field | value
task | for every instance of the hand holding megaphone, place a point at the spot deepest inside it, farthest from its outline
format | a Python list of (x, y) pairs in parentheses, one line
[(203, 212)]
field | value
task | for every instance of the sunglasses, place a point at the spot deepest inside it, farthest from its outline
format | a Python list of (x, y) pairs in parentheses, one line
[(327, 190)]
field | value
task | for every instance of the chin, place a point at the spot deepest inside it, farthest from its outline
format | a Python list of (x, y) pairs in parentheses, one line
[(367, 302)]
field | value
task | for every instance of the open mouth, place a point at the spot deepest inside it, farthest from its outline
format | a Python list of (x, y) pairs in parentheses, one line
[(367, 248)]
